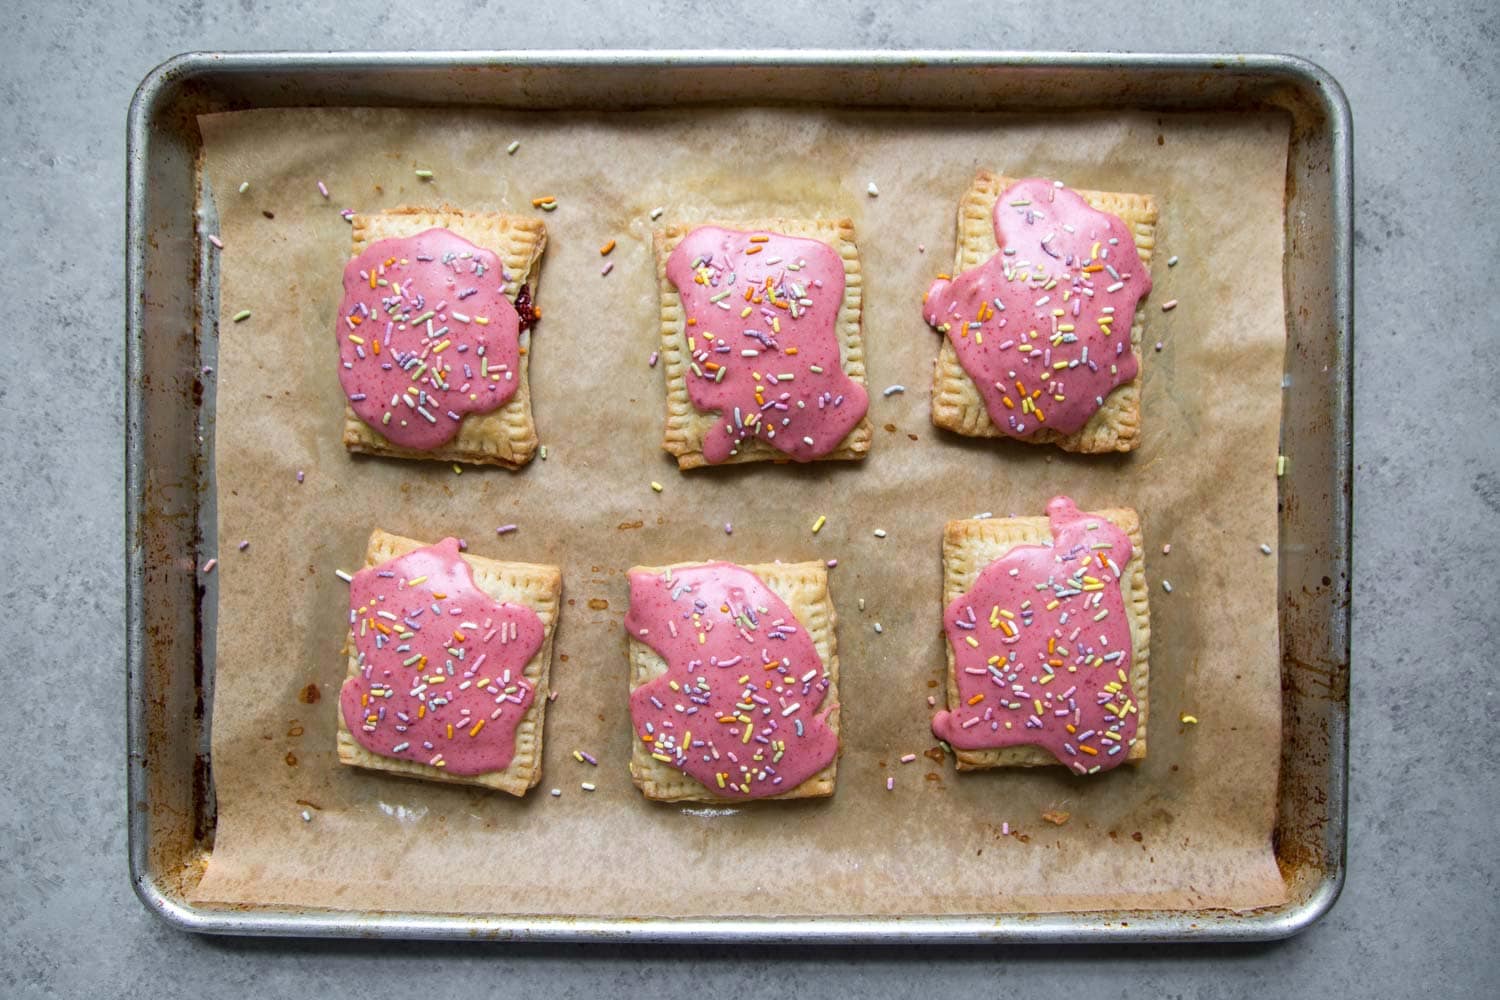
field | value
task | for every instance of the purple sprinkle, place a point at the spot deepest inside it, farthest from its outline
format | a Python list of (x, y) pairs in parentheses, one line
[(244, 545), (505, 529), (322, 189), (832, 563), (651, 361), (300, 476), (728, 528)]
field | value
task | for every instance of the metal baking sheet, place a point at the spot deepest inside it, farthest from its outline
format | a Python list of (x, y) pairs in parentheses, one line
[(169, 462)]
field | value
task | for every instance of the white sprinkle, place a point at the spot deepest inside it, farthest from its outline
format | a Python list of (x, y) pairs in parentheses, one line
[(1265, 549), (879, 532), (511, 150), (587, 786), (872, 190), (556, 792), (1166, 549), (1172, 261), (1166, 585), (891, 390), (343, 576), (1169, 305), (244, 186), (656, 212), (306, 816), (878, 629)]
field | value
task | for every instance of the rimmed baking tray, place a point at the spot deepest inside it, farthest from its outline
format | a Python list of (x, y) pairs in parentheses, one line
[(171, 335)]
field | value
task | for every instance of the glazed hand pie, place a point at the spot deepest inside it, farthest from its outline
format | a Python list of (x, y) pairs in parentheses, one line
[(761, 342), (734, 676), (1042, 317), (1048, 635), (448, 657), (434, 334)]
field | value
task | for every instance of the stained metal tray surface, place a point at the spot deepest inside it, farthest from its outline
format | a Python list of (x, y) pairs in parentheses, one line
[(171, 330)]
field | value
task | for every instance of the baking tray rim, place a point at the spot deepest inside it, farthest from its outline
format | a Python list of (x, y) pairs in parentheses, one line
[(160, 85)]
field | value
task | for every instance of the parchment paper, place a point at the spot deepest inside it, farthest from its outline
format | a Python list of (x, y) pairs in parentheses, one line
[(1189, 828)]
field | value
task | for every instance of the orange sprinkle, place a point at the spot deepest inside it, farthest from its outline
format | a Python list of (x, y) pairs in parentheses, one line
[(692, 321), (477, 727), (450, 730), (421, 711), (976, 699), (606, 248), (375, 346), (790, 350), (1041, 417), (944, 277), (759, 239), (539, 202), (1008, 404), (372, 277), (648, 738), (364, 700), (751, 250), (356, 320), (382, 626), (458, 636), (1088, 750)]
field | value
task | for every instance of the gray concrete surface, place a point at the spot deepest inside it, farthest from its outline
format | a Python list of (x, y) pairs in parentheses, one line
[(1420, 911)]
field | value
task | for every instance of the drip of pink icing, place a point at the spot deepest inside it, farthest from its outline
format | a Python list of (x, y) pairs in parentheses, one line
[(1043, 327), (742, 664), (1046, 624), (435, 651), (768, 364), (433, 340)]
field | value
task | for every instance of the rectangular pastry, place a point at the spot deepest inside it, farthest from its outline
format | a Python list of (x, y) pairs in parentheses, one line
[(761, 341), (447, 296), (733, 681), (448, 659), (1048, 640), (1021, 319)]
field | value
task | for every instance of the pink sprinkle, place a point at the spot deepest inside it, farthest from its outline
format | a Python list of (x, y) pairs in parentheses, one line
[(463, 546), (322, 189), (908, 758), (728, 528), (832, 563), (1005, 829), (931, 701), (505, 529), (921, 248), (890, 784), (608, 267), (208, 567), (244, 545), (216, 241), (551, 695), (651, 361), (1166, 549), (1169, 305)]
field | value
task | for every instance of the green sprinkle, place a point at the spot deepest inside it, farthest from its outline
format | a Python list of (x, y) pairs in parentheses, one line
[(511, 149), (244, 186), (544, 453), (549, 206), (242, 315), (1280, 466), (425, 175), (413, 658)]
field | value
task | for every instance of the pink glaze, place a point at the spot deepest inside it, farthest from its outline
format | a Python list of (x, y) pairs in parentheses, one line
[(749, 682), (1043, 327), (1032, 613), (433, 340), (471, 653), (768, 364)]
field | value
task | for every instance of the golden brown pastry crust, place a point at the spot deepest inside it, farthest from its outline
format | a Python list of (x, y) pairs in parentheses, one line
[(686, 427), (804, 588), (538, 588), (956, 403), (506, 436), (969, 546)]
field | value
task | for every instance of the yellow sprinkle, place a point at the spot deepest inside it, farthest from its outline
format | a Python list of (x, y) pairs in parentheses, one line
[(720, 778), (1037, 702), (1280, 466), (457, 469), (818, 524), (656, 486), (971, 641), (662, 757), (1187, 720), (746, 737)]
